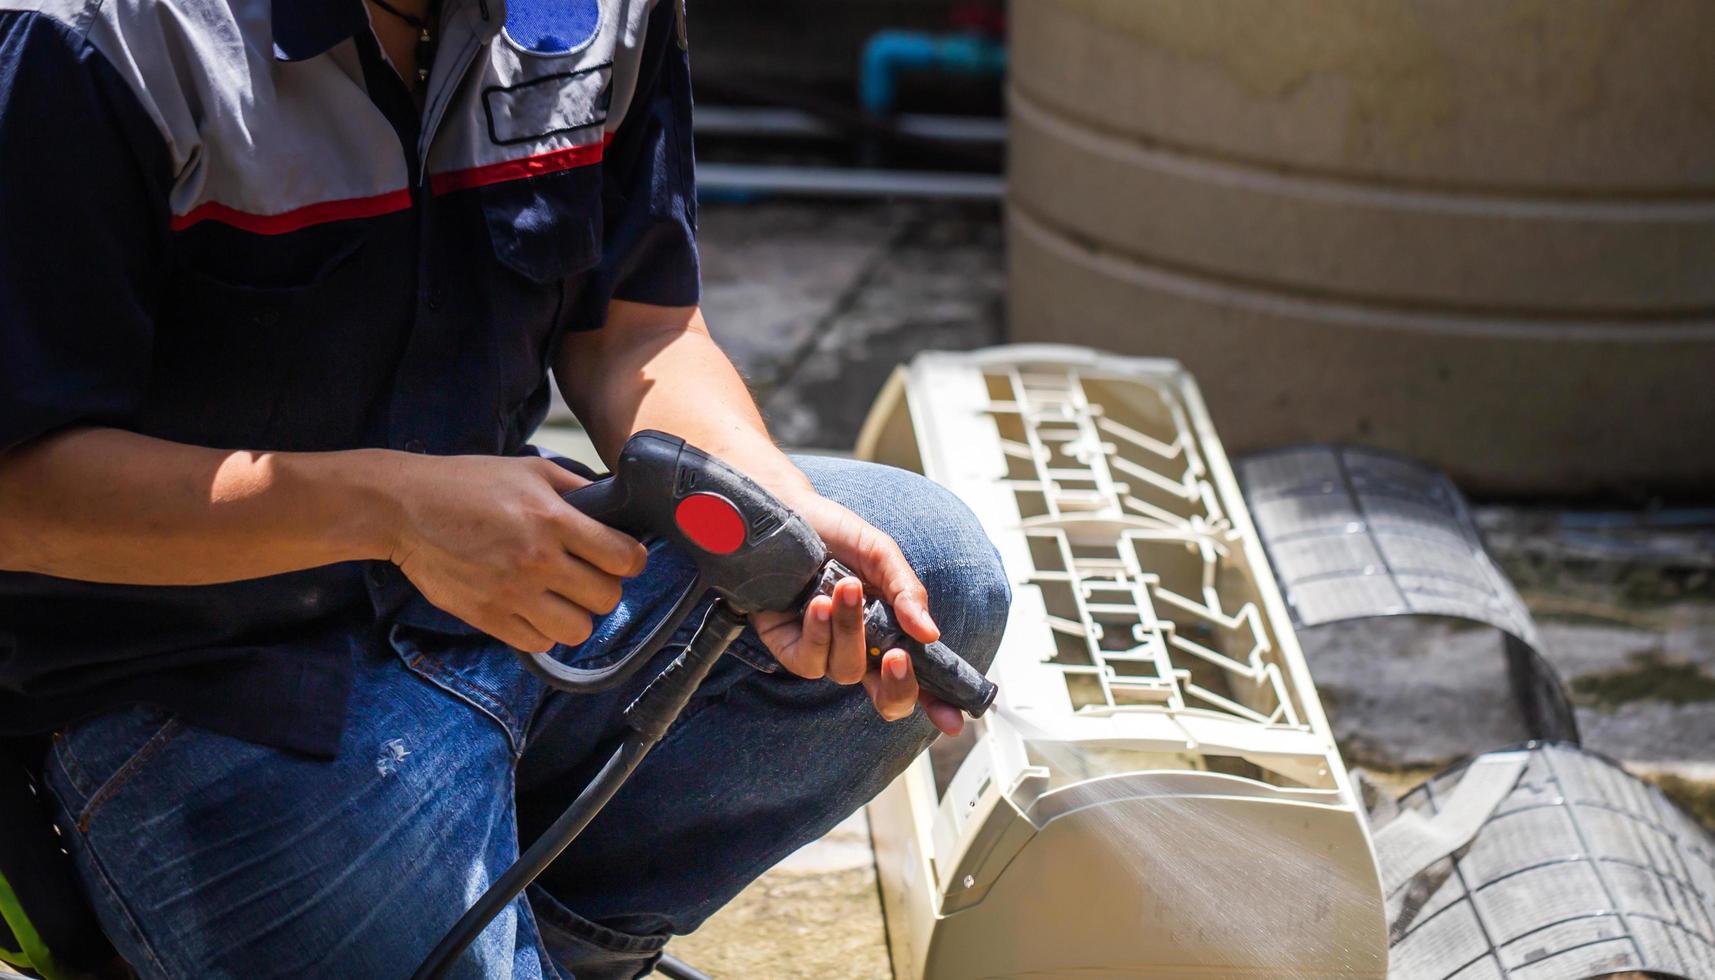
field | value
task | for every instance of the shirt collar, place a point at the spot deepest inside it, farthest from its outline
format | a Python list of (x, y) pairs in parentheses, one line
[(306, 28)]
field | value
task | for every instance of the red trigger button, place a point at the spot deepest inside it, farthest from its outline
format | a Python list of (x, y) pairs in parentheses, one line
[(711, 522)]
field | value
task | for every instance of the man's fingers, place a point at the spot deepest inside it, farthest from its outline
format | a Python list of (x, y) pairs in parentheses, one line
[(517, 633), (893, 686), (559, 620), (829, 640), (577, 581), (817, 633), (611, 551), (561, 479), (883, 565), (911, 608), (949, 719), (847, 656), (777, 630), (806, 653)]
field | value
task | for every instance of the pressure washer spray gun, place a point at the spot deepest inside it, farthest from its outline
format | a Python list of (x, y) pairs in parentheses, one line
[(754, 554), (750, 549)]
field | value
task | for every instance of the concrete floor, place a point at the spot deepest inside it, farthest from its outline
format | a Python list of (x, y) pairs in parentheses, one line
[(1629, 628), (817, 914), (818, 303)]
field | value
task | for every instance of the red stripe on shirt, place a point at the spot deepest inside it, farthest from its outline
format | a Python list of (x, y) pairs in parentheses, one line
[(534, 166), (321, 212), (369, 207)]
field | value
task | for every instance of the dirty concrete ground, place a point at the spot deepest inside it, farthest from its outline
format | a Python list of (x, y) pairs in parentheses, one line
[(818, 302), (1627, 614), (1627, 621), (816, 914)]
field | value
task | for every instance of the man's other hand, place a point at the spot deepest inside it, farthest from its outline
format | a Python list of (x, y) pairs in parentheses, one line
[(828, 639), (491, 541)]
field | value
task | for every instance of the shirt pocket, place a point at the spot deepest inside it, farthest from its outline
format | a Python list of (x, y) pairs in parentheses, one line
[(543, 207), (231, 334), (546, 228), (227, 256)]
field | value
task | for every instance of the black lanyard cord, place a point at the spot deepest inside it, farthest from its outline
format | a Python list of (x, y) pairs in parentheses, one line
[(425, 34)]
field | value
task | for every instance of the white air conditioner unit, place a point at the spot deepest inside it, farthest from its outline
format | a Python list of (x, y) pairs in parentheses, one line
[(1158, 793)]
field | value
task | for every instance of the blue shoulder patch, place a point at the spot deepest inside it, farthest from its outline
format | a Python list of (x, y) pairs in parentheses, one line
[(552, 26)]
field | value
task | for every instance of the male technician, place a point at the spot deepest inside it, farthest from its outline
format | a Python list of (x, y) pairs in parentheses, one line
[(280, 293)]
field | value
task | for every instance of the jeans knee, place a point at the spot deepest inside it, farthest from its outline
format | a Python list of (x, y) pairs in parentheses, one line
[(969, 598)]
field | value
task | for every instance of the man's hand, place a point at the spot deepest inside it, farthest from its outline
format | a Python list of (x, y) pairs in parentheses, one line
[(654, 367), (492, 542), (828, 640)]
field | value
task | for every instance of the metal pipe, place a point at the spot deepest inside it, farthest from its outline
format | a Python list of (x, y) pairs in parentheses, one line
[(740, 178), (796, 123)]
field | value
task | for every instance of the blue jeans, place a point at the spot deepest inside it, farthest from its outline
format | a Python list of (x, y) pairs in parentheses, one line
[(206, 856)]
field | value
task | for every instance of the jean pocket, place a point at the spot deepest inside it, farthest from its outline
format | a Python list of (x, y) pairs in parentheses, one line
[(587, 948), (98, 757), (478, 670)]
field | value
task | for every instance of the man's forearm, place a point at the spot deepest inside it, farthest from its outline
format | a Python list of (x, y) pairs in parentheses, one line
[(105, 505), (653, 367)]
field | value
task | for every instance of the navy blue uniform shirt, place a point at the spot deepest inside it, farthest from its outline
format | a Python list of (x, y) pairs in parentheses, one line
[(233, 229)]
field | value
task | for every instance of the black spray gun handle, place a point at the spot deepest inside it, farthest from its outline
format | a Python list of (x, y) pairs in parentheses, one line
[(749, 548)]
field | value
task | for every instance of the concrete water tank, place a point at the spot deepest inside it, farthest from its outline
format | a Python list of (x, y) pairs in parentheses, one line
[(1480, 233)]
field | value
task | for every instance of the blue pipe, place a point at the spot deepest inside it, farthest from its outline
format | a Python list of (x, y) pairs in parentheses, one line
[(888, 52)]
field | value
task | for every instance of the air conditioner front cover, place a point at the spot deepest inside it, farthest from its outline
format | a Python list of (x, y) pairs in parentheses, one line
[(1158, 793)]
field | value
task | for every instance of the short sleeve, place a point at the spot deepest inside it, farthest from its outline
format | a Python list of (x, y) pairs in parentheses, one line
[(83, 225), (650, 184)]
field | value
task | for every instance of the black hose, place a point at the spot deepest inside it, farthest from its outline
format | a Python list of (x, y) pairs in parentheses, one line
[(650, 715), (676, 969), (535, 860)]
